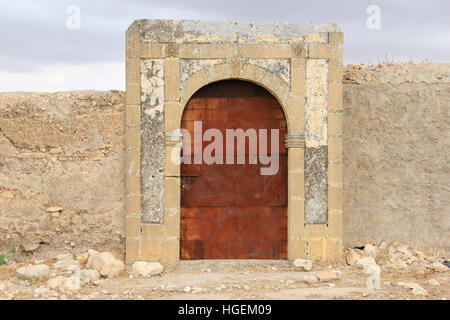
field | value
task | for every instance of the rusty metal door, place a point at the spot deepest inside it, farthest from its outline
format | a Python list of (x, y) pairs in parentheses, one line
[(231, 211)]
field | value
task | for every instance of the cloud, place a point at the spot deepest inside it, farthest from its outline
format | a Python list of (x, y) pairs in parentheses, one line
[(35, 36), (62, 77)]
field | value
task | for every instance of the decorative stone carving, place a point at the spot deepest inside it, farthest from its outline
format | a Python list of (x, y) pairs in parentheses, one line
[(190, 66), (298, 51), (236, 66), (279, 67), (172, 50)]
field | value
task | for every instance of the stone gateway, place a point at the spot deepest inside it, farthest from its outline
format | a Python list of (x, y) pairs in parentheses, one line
[(250, 76)]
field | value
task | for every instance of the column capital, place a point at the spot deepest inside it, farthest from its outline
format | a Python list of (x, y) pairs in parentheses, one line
[(295, 140)]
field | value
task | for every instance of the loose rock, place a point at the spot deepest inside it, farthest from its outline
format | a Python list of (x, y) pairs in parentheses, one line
[(197, 290), (399, 264), (303, 264), (64, 256), (433, 282), (415, 288), (72, 284), (352, 257), (66, 265), (105, 263), (326, 276), (56, 282), (89, 276), (29, 247), (42, 291), (439, 267), (403, 250), (146, 269), (82, 258), (37, 272)]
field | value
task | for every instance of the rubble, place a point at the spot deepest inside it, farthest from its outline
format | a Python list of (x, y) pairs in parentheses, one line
[(37, 272), (89, 276), (352, 257), (105, 263), (326, 276), (146, 269), (302, 264), (396, 267), (310, 279), (30, 247), (415, 288)]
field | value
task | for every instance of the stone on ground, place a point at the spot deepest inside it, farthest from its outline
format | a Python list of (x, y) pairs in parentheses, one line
[(42, 291), (55, 209), (66, 265), (64, 256), (146, 269), (56, 282), (72, 284), (399, 264), (439, 267), (415, 288), (420, 255), (326, 276), (89, 276), (303, 264), (352, 257), (36, 272), (30, 247), (83, 257), (433, 282), (403, 251), (309, 278), (105, 263)]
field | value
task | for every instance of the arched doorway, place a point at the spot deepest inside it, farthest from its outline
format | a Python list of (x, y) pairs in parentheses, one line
[(234, 203)]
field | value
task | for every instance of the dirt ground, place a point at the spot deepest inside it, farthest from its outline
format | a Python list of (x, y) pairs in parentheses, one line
[(241, 280)]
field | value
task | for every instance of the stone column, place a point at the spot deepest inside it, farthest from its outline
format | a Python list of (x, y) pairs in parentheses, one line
[(295, 143)]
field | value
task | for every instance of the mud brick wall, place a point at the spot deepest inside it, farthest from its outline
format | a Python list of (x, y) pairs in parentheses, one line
[(67, 149)]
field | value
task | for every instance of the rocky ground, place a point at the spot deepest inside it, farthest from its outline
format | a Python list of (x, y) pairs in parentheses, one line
[(404, 273)]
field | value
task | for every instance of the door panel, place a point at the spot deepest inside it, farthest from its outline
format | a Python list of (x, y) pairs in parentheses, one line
[(231, 211)]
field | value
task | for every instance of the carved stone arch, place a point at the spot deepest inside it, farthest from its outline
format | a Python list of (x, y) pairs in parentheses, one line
[(248, 72)]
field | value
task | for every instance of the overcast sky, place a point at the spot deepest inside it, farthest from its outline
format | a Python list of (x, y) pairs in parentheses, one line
[(38, 52)]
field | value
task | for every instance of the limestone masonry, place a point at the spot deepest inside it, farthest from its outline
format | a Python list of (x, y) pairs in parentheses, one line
[(299, 63)]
